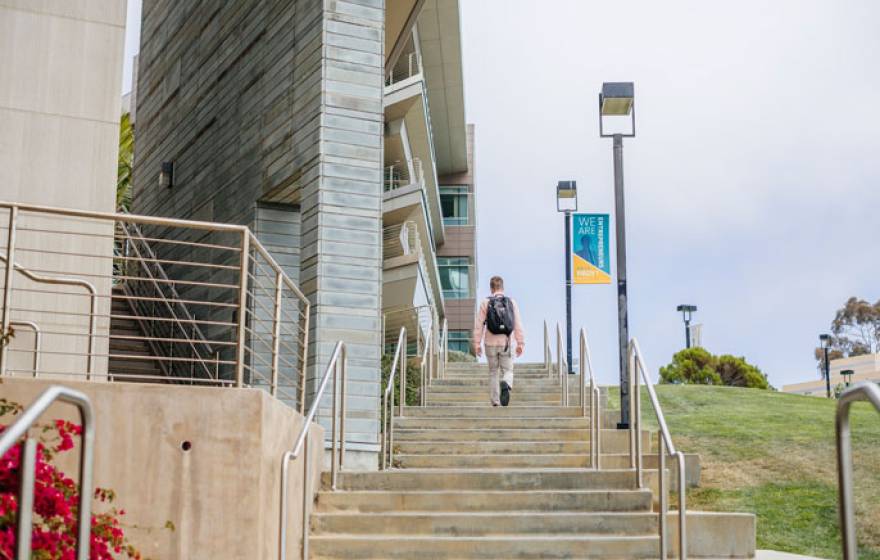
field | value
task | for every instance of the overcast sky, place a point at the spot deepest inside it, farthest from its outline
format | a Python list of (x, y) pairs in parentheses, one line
[(752, 187)]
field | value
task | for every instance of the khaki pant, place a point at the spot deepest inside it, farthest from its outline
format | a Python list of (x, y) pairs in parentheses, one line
[(500, 369)]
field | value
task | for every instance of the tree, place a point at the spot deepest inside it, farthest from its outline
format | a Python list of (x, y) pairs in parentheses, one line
[(856, 327), (693, 365), (737, 372), (856, 332), (126, 160), (700, 367)]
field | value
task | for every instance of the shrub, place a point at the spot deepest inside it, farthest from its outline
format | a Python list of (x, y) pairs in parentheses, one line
[(465, 357), (56, 500), (699, 366)]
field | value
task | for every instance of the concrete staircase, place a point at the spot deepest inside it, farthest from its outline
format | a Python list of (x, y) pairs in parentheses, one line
[(129, 353), (472, 481)]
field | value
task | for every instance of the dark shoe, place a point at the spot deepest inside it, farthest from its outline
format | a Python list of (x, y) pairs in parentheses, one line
[(505, 393)]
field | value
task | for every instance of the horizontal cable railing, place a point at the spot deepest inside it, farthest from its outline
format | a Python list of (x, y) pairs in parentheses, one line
[(863, 392), (123, 297), (400, 240), (409, 64), (638, 370), (18, 430), (402, 174)]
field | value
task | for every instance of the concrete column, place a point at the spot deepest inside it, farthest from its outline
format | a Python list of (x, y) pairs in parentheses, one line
[(342, 218)]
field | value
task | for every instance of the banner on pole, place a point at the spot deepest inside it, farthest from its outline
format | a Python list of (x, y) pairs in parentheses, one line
[(590, 258)]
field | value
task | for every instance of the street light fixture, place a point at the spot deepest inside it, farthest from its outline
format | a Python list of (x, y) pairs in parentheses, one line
[(847, 376), (825, 340), (687, 313), (617, 99), (567, 202)]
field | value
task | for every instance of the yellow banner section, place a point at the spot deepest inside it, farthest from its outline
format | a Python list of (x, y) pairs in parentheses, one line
[(586, 273)]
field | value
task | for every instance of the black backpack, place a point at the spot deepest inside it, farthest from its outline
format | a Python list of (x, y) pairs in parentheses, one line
[(499, 315)]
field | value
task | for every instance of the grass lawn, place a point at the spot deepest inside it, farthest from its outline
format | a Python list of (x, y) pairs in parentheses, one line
[(773, 454)]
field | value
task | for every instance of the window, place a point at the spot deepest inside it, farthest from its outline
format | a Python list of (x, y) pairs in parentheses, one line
[(460, 341), (455, 273), (454, 203)]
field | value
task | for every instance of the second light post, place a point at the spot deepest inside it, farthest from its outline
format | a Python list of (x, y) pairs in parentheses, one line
[(617, 100), (567, 202)]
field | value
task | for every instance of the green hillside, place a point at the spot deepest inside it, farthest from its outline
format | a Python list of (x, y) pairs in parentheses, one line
[(773, 454)]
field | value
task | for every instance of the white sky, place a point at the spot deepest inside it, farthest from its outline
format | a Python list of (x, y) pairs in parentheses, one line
[(752, 185)]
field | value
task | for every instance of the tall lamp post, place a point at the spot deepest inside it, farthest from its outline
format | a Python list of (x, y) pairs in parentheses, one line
[(687, 313), (825, 339), (567, 202), (617, 100)]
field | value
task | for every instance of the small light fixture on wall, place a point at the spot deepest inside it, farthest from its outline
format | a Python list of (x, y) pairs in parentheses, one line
[(166, 174)]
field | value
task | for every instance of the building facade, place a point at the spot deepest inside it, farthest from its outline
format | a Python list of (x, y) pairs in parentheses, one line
[(864, 368), (325, 127)]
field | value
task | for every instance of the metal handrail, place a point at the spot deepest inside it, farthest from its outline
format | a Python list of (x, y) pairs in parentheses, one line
[(93, 308), (862, 392), (175, 295), (548, 360), (387, 415), (338, 361), (38, 337), (561, 367), (586, 366), (444, 348), (18, 430), (636, 361), (425, 366)]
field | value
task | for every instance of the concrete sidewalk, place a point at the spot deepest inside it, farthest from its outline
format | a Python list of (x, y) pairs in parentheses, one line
[(774, 555)]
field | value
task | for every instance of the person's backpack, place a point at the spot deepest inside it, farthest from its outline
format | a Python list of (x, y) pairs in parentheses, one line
[(499, 315)]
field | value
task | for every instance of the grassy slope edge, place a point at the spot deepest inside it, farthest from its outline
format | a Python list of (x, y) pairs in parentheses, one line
[(773, 454)]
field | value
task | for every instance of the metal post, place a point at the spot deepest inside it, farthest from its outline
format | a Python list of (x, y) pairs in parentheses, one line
[(664, 498), (7, 286), (547, 358), (622, 319), (687, 333), (26, 506), (568, 291), (827, 374), (306, 503), (242, 307), (276, 334)]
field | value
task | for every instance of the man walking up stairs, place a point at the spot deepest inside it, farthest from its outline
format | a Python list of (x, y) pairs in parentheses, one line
[(496, 322)]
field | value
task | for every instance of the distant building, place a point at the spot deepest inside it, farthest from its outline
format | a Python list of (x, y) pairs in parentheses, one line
[(865, 368)]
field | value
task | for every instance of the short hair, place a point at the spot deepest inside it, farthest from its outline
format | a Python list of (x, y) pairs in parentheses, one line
[(496, 283)]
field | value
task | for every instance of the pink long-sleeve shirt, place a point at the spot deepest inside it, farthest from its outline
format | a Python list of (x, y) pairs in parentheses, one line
[(482, 335)]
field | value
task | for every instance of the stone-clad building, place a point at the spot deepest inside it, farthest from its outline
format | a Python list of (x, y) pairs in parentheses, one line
[(324, 125)]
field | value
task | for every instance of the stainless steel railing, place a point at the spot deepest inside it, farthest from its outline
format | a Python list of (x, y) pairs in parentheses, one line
[(586, 369), (561, 367), (444, 348), (407, 66), (28, 465), (38, 341), (548, 356), (52, 280), (387, 413), (337, 365), (862, 392), (405, 173), (210, 302), (160, 290), (665, 446), (426, 366)]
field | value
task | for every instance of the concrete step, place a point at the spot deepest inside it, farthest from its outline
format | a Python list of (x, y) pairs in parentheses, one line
[(487, 411), (492, 461), (488, 479), (483, 524), (482, 389), (473, 423), (519, 547), (516, 399), (483, 381), (486, 501), (612, 441), (489, 447)]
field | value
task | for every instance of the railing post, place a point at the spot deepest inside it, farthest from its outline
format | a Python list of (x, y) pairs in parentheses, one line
[(682, 506), (664, 498), (343, 398), (596, 396), (583, 368), (632, 424), (7, 286), (276, 334), (242, 307), (637, 417), (546, 348), (304, 325), (307, 502), (26, 504)]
